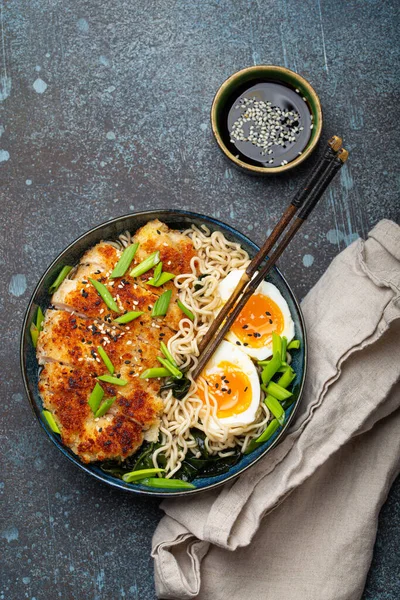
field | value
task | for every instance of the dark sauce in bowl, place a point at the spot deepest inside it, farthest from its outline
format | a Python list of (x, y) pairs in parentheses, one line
[(267, 124)]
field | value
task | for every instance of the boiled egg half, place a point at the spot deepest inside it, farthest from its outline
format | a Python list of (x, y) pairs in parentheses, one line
[(265, 312), (232, 382)]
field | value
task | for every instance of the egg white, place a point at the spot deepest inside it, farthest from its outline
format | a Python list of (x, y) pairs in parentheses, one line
[(227, 352), (226, 288)]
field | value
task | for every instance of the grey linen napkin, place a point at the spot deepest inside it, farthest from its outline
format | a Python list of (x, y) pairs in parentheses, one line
[(301, 523)]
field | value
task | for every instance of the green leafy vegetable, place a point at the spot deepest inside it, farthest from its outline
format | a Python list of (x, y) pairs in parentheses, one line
[(161, 305), (123, 264), (179, 387), (60, 278), (106, 360), (151, 261), (105, 295)]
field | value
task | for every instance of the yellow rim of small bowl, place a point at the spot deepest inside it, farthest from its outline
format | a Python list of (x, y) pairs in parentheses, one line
[(266, 170)]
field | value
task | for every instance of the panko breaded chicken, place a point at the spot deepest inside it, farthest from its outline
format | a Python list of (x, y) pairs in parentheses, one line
[(81, 322)]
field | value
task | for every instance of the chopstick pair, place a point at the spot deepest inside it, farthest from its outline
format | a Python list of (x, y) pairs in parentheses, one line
[(303, 203)]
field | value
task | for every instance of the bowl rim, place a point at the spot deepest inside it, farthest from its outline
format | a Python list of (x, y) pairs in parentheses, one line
[(116, 483), (253, 168)]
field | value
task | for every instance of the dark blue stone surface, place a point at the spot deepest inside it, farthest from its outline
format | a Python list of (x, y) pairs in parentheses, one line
[(105, 110)]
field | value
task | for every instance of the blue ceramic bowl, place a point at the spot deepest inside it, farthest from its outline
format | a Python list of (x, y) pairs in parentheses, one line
[(71, 256)]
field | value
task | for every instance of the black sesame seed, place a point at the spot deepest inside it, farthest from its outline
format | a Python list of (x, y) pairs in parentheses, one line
[(84, 293), (246, 388), (238, 344), (118, 376), (217, 385), (224, 389), (245, 344), (245, 327), (270, 321), (127, 362), (229, 391)]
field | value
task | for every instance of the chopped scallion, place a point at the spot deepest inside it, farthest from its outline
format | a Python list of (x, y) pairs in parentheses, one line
[(157, 272), (168, 354), (276, 390), (161, 305), (164, 277), (58, 281), (151, 261), (96, 397), (276, 344), (112, 380), (129, 316), (294, 345), (286, 379), (140, 474), (104, 407), (39, 318), (271, 368), (51, 421), (106, 360), (185, 310), (284, 347), (123, 264), (275, 408), (155, 372), (173, 370), (105, 295), (171, 484), (264, 437), (34, 331)]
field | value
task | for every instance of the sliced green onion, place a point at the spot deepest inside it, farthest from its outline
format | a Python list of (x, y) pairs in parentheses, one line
[(105, 294), (39, 318), (284, 347), (161, 306), (185, 310), (146, 265), (283, 367), (123, 264), (294, 345), (168, 354), (157, 272), (129, 316), (106, 359), (164, 277), (277, 391), (155, 372), (58, 281), (112, 380), (51, 421), (34, 331), (276, 409), (276, 344), (96, 397), (173, 370), (170, 484), (286, 379), (271, 368), (264, 437), (141, 474), (104, 407)]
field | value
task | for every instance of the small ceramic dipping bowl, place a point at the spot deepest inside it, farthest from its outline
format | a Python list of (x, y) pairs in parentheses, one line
[(266, 119)]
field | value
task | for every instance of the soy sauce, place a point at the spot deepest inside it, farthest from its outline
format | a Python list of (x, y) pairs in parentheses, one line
[(278, 110)]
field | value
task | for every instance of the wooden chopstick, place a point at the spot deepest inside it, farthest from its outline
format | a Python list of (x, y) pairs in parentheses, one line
[(334, 145), (234, 309)]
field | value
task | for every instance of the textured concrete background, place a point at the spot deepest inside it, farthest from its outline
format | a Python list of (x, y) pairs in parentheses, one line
[(105, 110)]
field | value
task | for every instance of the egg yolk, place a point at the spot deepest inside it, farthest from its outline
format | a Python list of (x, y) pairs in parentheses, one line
[(229, 387), (256, 322)]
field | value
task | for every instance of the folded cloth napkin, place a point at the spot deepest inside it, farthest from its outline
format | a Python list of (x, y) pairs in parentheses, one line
[(301, 523)]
